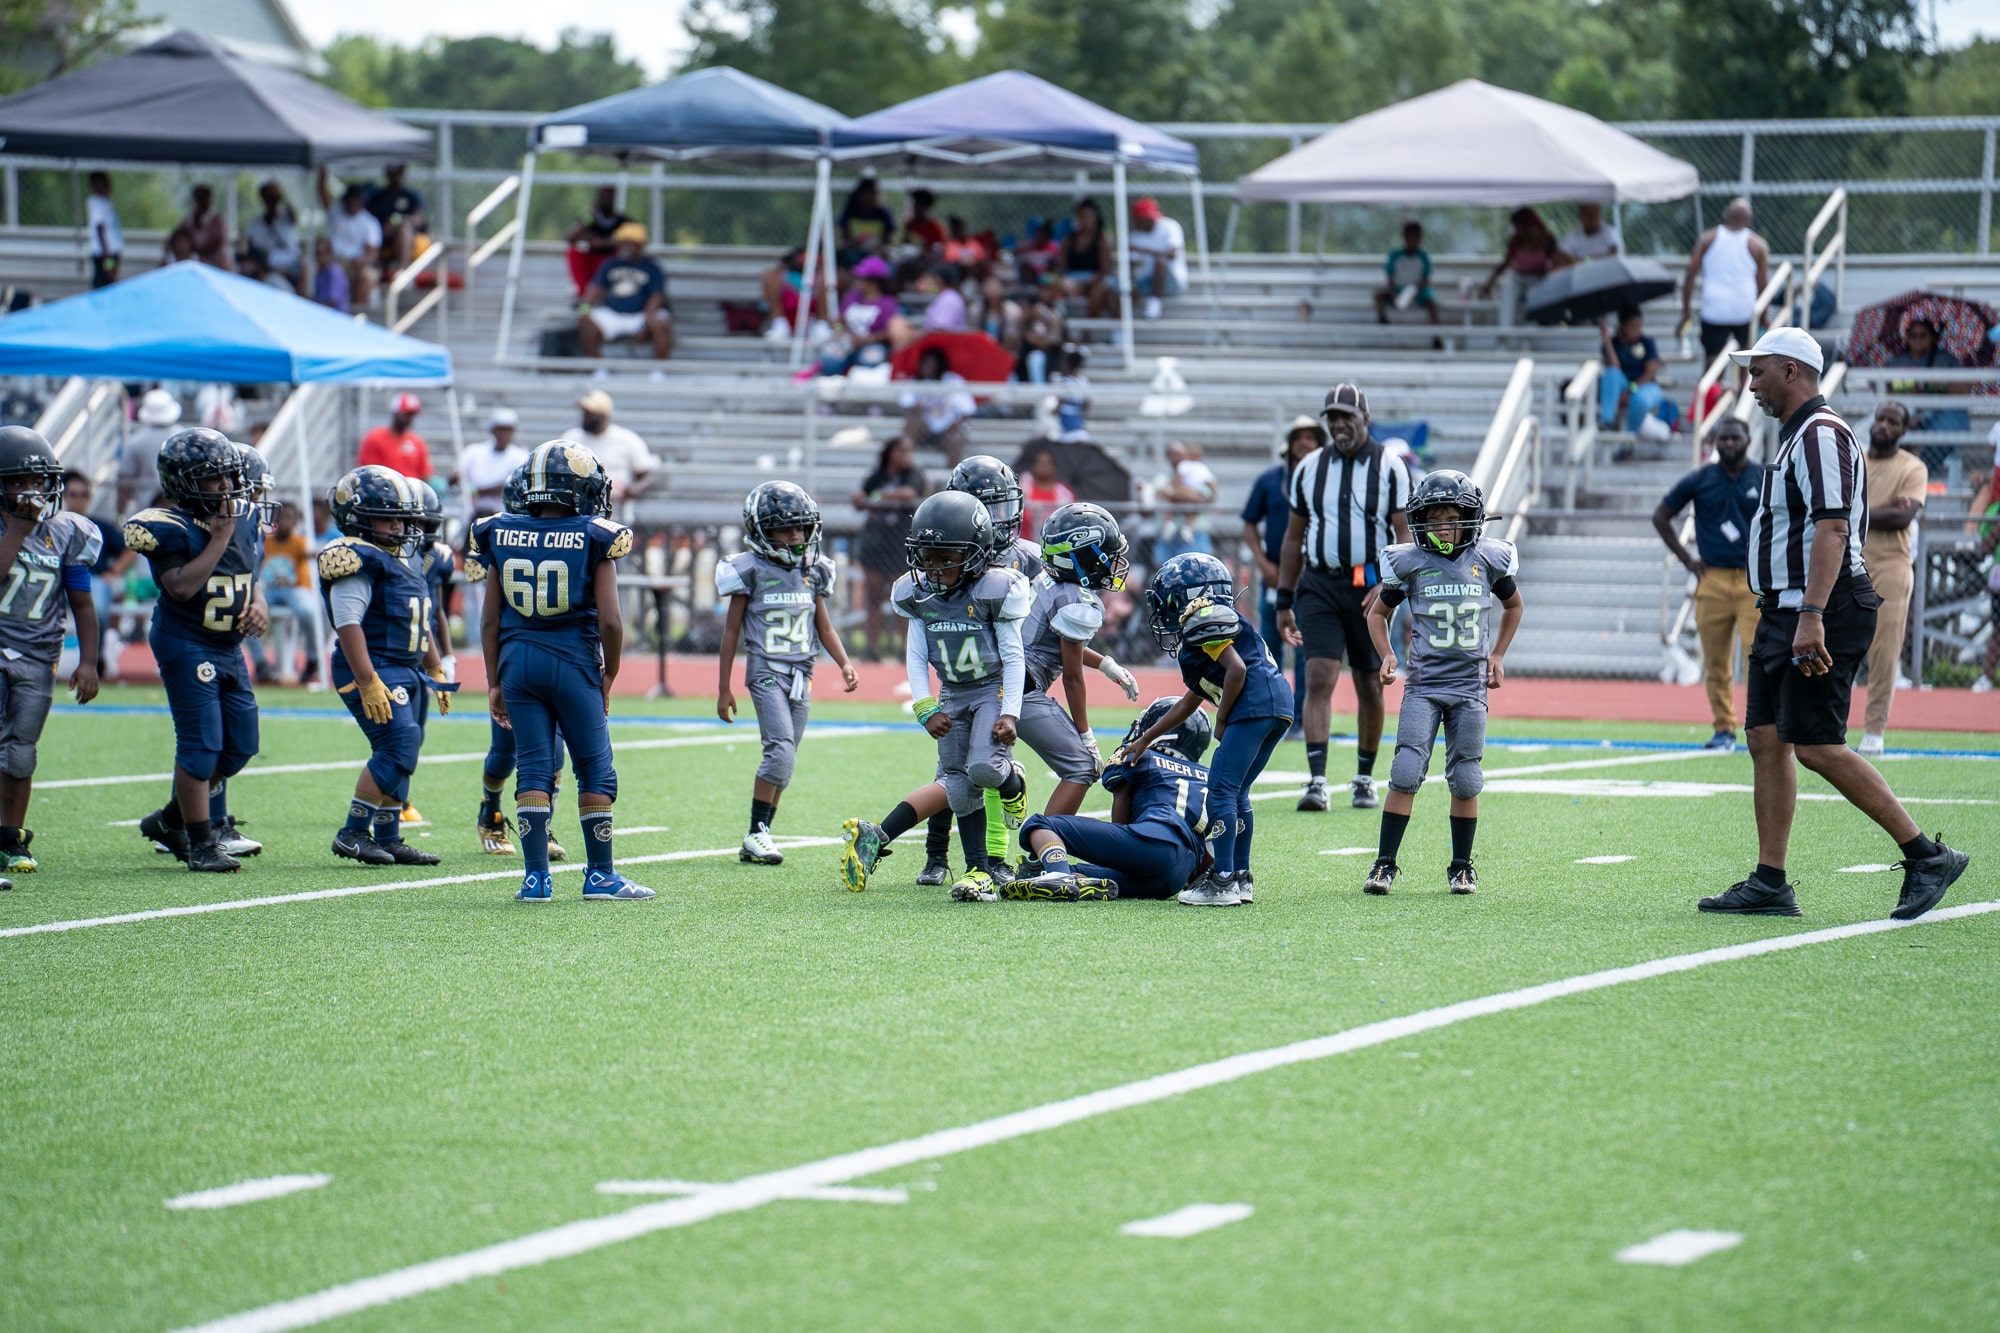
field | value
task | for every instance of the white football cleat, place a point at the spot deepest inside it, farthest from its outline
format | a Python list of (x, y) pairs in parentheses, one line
[(1211, 890), (1362, 791), (1869, 744)]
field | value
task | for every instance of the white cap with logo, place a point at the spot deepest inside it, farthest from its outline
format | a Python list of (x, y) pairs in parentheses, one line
[(1790, 341)]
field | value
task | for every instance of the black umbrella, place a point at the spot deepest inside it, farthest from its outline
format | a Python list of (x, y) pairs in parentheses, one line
[(1588, 291)]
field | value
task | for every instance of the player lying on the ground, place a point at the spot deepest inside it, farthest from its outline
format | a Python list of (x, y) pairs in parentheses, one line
[(1156, 838), (1453, 578)]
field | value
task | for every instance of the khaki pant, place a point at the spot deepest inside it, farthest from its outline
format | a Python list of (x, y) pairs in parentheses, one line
[(1894, 580), (1724, 610)]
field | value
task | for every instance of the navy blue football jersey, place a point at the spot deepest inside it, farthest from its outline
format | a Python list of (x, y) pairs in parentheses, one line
[(1167, 790), (397, 623), (213, 617), (542, 570), (1205, 632), (438, 570)]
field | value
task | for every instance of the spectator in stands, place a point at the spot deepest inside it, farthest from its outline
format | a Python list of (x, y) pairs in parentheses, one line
[(206, 230), (1266, 516), (1629, 391), (627, 299), (865, 226), (1409, 271), (1039, 253), (400, 211), (288, 586), (1592, 237), (1159, 256), (946, 312), (623, 455), (1043, 330), (1072, 408), (936, 420), (887, 498), (159, 416), (961, 247), (107, 240), (867, 316), (483, 471), (590, 239), (329, 276), (1530, 256), (273, 235), (1726, 493), (1922, 349), (1043, 490), (1898, 484), (355, 236), (107, 575), (920, 228), (1087, 262), (1733, 263), (1188, 491), (396, 446)]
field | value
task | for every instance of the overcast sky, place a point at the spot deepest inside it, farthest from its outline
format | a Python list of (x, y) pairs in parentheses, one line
[(649, 31)]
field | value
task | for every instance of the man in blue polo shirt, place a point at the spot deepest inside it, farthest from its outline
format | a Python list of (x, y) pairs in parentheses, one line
[(1270, 506), (627, 299), (1725, 494)]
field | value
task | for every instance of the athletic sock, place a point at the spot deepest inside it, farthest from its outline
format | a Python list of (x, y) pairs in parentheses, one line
[(489, 798), (597, 840), (533, 821), (1393, 828), (218, 803), (900, 821), (1013, 784), (199, 831), (1919, 848), (972, 836), (1316, 759), (1364, 762), (388, 826), (360, 816), (761, 814), (1243, 841), (1770, 877), (170, 814), (996, 825), (1054, 859), (937, 835), (1462, 829)]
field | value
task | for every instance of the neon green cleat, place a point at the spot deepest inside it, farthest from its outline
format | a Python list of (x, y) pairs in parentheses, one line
[(976, 887), (859, 853), (1015, 808)]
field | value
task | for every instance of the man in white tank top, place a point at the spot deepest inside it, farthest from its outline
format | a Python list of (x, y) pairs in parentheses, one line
[(1734, 263)]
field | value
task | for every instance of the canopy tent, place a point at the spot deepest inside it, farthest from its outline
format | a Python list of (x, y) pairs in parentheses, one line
[(1472, 144), (186, 98), (711, 114), (1016, 119)]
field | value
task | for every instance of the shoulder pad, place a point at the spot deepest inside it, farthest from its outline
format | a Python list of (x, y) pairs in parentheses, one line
[(617, 537), (141, 531), (825, 576), (903, 595), (729, 575), (1396, 564), (1208, 620), (475, 571), (1501, 557), (339, 560)]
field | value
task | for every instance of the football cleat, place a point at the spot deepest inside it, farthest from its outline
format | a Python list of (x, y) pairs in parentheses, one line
[(937, 870), (234, 840), (1361, 790), (536, 887), (15, 858), (1380, 876), (410, 815), (1925, 881), (556, 852), (1750, 898), (1462, 877), (174, 840), (759, 850), (5, 884), (496, 838), (1092, 890), (1211, 890), (1054, 886), (976, 887), (1245, 890), (210, 858), (1000, 871), (1724, 741), (403, 854), (1014, 809), (600, 887), (1315, 796), (360, 847), (860, 850)]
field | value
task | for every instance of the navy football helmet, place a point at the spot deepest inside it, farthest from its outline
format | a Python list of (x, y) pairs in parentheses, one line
[(566, 474), (514, 492), (956, 524), (1081, 543), (1447, 513), (433, 519), (263, 487), (1177, 585), (197, 455), (25, 454), (370, 494), (997, 487), (772, 508), (1189, 740)]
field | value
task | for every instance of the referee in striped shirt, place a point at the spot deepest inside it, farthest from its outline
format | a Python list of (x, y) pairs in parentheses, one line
[(1817, 619), (1347, 505)]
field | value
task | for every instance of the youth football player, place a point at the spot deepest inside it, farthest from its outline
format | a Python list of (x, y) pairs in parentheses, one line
[(229, 832), (44, 549), (553, 636), (779, 589), (385, 660), (438, 568), (1455, 580)]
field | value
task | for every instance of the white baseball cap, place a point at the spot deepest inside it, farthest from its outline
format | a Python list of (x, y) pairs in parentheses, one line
[(1789, 341), (502, 416)]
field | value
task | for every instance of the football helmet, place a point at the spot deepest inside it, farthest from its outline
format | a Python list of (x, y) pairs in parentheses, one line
[(996, 486), (433, 519), (1081, 543), (25, 454), (196, 455), (514, 492), (562, 473), (771, 508), (1176, 586), (1447, 513), (1189, 740), (263, 488), (375, 492), (954, 523)]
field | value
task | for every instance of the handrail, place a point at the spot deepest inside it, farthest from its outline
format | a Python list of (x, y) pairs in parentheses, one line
[(1580, 415), (497, 196), (405, 279), (81, 420), (1513, 406), (62, 407), (1501, 492), (1836, 204), (480, 253), (1780, 281)]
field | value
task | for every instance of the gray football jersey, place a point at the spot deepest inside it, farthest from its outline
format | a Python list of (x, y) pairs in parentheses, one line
[(32, 604), (1454, 612), (1061, 611), (778, 622), (1023, 557), (964, 641)]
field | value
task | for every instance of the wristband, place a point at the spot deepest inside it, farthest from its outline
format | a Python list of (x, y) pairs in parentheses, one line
[(1285, 596), (926, 708), (1806, 609)]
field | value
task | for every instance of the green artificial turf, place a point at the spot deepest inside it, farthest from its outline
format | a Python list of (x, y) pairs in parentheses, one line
[(467, 1070)]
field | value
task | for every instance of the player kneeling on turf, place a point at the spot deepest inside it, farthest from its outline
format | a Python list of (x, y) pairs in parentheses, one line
[(553, 636), (43, 547), (779, 589), (1454, 579), (1158, 832), (965, 620), (380, 608)]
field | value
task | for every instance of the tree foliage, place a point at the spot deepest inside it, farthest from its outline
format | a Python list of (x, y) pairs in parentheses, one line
[(855, 56), (45, 39), (499, 73), (1756, 58)]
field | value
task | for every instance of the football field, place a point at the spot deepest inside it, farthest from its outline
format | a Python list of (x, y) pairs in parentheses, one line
[(763, 1102)]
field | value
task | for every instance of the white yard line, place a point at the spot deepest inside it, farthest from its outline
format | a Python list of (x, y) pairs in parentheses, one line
[(1189, 1221), (1604, 860), (823, 1194), (248, 1191), (755, 1191), (385, 886), (1678, 1249)]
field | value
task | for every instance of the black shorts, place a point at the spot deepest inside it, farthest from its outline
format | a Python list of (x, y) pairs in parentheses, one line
[(1811, 710), (1328, 609), (1715, 336)]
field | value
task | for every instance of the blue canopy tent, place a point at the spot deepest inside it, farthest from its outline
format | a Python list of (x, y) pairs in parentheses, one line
[(1016, 119), (711, 114)]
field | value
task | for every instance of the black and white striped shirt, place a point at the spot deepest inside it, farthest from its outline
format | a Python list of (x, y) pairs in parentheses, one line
[(1817, 474), (1347, 503)]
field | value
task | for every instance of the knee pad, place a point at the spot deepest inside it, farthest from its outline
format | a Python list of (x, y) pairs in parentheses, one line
[(959, 791), (395, 759), (780, 759), (595, 773), (1033, 822), (988, 774), (1466, 779), (202, 764), (18, 761), (1406, 771)]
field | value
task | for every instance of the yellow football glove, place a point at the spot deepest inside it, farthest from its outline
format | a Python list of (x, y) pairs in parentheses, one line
[(374, 698), (442, 688)]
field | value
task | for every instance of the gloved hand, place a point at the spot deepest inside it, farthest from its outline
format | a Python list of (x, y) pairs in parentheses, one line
[(1120, 677), (374, 698), (442, 688), (1096, 755)]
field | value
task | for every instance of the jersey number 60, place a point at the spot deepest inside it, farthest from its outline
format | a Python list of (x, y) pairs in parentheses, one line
[(536, 590)]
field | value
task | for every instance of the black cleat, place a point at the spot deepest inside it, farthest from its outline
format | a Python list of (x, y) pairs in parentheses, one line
[(360, 847), (1749, 898), (1925, 881), (1462, 877), (936, 872), (210, 858), (174, 840), (234, 840), (405, 855), (1380, 876), (1001, 873)]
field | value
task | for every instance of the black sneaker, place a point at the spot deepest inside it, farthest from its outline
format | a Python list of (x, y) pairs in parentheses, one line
[(360, 847), (1001, 873), (1380, 876), (154, 828), (405, 855), (936, 872), (1925, 881), (1462, 877), (1749, 898), (209, 856)]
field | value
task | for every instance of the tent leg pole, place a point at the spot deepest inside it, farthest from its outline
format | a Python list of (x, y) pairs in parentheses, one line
[(76, 211), (821, 171), (1222, 279), (457, 425), (1125, 293), (830, 259), (514, 255), (1200, 226)]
